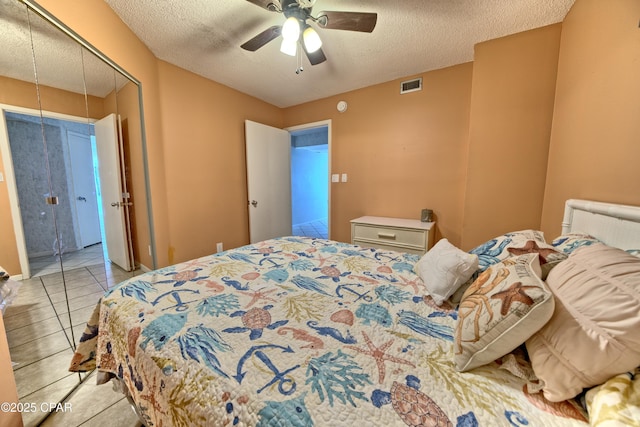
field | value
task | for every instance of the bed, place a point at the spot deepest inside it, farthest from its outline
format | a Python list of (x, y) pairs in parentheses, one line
[(309, 332)]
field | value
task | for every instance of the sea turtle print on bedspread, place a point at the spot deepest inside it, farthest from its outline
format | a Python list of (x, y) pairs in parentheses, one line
[(297, 332)]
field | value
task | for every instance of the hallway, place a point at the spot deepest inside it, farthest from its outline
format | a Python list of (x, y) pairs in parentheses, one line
[(312, 229)]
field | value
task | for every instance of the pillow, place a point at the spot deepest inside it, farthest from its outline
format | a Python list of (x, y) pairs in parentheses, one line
[(500, 310), (594, 333), (634, 252), (509, 244), (616, 403), (497, 249), (444, 268), (549, 257), (569, 242)]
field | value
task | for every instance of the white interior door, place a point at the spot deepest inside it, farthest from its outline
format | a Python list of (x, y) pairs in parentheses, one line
[(84, 188), (114, 197), (268, 152)]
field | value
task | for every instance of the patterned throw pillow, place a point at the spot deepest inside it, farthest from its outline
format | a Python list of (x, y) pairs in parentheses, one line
[(510, 244), (506, 305), (569, 242), (549, 257), (634, 252), (497, 249)]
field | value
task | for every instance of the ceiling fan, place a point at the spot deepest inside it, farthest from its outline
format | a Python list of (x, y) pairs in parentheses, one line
[(298, 14)]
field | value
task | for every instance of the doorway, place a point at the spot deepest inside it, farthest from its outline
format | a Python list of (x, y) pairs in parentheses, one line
[(72, 166), (271, 180), (309, 181)]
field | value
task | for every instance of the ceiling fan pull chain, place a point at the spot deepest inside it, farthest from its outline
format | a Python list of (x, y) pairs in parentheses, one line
[(299, 61)]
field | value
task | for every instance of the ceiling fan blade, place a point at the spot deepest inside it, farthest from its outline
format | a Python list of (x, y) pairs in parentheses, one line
[(270, 5), (261, 39), (316, 57), (352, 21)]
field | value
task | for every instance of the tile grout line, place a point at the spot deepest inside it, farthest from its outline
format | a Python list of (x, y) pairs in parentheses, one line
[(71, 341), (38, 361), (104, 410)]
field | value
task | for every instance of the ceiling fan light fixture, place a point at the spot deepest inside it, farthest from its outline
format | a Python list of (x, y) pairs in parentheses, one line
[(288, 47), (311, 40), (291, 29)]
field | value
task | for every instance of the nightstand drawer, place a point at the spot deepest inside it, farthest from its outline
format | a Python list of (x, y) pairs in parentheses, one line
[(389, 236), (398, 234), (390, 247)]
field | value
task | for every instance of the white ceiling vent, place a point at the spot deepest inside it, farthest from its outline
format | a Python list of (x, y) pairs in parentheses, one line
[(411, 85)]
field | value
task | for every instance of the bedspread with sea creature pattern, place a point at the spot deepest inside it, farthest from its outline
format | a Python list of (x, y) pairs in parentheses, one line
[(298, 332)]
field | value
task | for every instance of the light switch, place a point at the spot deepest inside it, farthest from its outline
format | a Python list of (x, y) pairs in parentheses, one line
[(344, 177), (335, 178), (1, 177)]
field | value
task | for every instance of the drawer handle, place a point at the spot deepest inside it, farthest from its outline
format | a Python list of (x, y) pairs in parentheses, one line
[(387, 236)]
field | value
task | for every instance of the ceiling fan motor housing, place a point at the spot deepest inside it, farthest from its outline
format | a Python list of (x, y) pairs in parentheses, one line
[(296, 9), (307, 3)]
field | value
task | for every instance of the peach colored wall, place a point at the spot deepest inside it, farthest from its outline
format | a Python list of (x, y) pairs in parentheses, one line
[(595, 141), (23, 94), (511, 112), (96, 22), (401, 153), (203, 124)]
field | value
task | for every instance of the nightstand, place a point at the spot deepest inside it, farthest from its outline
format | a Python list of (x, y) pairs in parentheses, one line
[(396, 234)]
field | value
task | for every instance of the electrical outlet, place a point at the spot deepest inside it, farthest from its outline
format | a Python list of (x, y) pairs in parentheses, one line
[(219, 247)]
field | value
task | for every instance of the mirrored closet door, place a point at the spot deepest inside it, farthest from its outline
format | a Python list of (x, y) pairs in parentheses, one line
[(74, 169)]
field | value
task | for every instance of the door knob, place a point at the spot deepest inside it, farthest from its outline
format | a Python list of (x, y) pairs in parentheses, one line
[(115, 204), (254, 203), (82, 199)]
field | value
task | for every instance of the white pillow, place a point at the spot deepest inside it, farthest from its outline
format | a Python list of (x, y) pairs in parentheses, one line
[(444, 268)]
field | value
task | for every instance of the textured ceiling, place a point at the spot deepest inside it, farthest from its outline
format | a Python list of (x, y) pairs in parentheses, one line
[(204, 36), (411, 37), (35, 50)]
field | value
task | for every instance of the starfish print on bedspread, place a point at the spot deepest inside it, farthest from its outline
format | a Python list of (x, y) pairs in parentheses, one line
[(321, 260), (415, 284), (194, 263), (380, 355), (259, 295), (151, 396), (531, 247), (515, 292)]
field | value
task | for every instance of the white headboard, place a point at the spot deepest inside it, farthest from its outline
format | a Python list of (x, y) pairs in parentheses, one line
[(614, 225)]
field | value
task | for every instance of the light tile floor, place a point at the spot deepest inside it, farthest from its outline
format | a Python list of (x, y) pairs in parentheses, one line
[(312, 229), (91, 255), (40, 326)]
